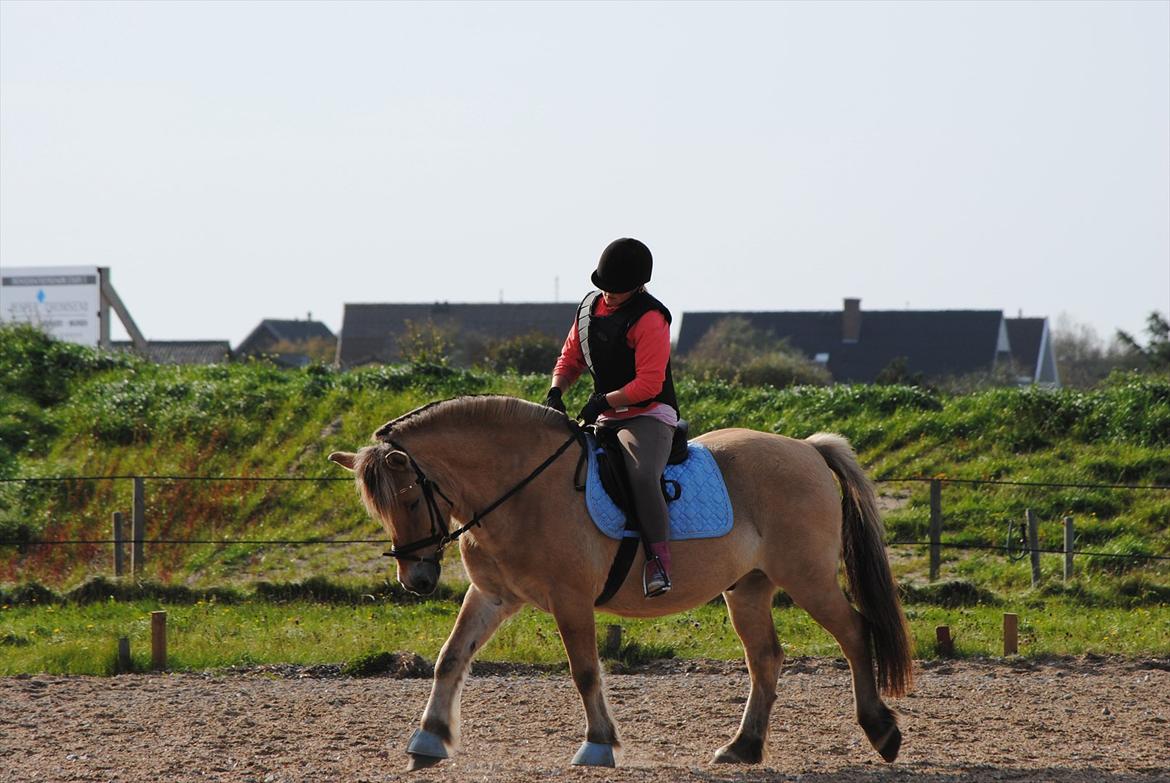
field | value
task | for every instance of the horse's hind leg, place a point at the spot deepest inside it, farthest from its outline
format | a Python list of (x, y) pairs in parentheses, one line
[(579, 635), (750, 607), (828, 606), (479, 617)]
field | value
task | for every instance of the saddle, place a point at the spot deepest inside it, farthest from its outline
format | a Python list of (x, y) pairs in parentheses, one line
[(611, 469)]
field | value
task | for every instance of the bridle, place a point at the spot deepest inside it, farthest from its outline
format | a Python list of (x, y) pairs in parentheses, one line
[(441, 534)]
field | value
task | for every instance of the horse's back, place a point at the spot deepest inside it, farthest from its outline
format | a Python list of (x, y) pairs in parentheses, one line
[(780, 485)]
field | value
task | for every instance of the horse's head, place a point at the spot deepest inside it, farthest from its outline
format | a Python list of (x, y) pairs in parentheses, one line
[(393, 492)]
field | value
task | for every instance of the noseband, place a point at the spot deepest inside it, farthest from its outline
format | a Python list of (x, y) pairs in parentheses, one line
[(441, 534)]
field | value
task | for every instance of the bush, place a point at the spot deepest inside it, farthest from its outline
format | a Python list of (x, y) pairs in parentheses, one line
[(34, 365)]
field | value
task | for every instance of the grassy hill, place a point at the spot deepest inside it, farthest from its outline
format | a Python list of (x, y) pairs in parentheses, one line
[(71, 411)]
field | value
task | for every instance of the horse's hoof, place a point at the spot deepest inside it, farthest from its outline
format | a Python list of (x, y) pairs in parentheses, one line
[(885, 737), (736, 753), (594, 754), (421, 762), (891, 745), (425, 749)]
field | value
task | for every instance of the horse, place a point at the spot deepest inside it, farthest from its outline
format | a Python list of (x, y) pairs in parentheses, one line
[(799, 508)]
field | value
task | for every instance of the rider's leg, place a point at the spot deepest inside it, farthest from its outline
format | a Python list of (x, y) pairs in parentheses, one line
[(646, 442)]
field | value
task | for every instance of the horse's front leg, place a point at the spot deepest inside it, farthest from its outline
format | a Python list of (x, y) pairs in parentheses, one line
[(578, 632), (438, 735)]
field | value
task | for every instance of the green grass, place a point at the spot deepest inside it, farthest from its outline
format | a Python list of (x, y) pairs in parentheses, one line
[(82, 639), (69, 410)]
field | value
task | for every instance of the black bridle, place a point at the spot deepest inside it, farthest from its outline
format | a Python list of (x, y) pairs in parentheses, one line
[(441, 534)]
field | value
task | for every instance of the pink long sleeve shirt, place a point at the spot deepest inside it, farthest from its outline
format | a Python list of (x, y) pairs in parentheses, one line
[(650, 339)]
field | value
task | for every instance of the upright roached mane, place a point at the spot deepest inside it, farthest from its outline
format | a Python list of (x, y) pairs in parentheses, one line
[(800, 508)]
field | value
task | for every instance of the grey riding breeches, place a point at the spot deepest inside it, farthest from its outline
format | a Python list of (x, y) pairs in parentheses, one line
[(646, 442)]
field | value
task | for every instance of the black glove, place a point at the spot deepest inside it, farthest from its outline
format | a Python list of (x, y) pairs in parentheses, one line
[(596, 406), (554, 401)]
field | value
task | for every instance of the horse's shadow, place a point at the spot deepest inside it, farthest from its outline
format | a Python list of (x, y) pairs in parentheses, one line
[(939, 773)]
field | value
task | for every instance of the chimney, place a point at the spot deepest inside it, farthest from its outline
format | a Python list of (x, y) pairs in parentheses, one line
[(851, 321)]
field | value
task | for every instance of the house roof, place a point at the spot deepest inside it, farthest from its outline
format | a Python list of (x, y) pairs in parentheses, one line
[(934, 342), (370, 332), (181, 351), (274, 330)]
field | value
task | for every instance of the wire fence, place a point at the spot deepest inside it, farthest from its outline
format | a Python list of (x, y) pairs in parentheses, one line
[(1023, 549)]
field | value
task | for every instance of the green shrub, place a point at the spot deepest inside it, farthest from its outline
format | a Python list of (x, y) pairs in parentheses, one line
[(34, 365)]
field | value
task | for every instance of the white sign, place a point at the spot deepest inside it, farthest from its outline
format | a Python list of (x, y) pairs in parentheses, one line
[(64, 301)]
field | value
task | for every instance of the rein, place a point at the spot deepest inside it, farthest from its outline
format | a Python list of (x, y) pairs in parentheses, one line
[(441, 536)]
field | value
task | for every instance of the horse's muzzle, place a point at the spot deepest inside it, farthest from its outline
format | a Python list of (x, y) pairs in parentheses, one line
[(421, 578)]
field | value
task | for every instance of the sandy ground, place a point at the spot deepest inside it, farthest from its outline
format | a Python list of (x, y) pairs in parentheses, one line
[(1072, 720)]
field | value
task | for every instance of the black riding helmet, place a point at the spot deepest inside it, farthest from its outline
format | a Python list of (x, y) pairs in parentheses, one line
[(624, 265)]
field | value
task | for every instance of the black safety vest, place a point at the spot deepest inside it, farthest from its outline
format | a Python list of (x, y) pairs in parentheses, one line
[(608, 356)]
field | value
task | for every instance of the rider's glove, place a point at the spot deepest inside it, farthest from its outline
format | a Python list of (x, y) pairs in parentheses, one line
[(596, 406), (554, 401)]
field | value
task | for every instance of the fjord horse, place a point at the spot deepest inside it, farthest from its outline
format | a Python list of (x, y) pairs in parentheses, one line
[(451, 462)]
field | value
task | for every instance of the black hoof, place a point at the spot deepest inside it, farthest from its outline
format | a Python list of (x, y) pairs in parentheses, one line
[(740, 752), (418, 762), (883, 733), (889, 749)]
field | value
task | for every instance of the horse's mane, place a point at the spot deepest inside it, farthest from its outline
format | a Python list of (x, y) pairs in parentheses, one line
[(475, 408)]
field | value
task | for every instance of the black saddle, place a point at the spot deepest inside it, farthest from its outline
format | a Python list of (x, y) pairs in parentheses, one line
[(611, 468)]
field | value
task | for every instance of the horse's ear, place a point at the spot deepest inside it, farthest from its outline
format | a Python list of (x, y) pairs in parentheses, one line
[(343, 458), (398, 460)]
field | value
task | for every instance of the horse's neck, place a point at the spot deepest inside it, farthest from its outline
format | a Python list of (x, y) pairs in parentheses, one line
[(474, 464)]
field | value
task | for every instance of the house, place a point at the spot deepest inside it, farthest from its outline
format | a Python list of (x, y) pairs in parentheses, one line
[(855, 345), (180, 351), (1032, 353), (292, 343), (371, 333)]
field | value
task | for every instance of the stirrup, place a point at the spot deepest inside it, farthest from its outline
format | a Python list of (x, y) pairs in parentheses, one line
[(657, 585)]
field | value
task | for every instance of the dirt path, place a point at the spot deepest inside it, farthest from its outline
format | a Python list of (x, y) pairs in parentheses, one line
[(1071, 721)]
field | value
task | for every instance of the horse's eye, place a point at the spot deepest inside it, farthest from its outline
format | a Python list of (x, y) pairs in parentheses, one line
[(413, 505)]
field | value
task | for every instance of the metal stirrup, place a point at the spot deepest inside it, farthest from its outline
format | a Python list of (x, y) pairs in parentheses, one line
[(665, 588)]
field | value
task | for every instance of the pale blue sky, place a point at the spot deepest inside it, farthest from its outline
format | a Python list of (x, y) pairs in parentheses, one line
[(236, 161)]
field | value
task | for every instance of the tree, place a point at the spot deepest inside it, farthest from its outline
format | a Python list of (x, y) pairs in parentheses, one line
[(425, 343), (1156, 353), (1083, 358), (528, 353), (733, 350)]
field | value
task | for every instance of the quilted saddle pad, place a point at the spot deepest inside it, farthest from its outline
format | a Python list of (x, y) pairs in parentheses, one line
[(703, 510)]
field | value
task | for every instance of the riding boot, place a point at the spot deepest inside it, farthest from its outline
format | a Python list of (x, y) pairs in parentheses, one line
[(656, 576)]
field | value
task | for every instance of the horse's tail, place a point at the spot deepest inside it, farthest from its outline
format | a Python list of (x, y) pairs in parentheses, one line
[(871, 584)]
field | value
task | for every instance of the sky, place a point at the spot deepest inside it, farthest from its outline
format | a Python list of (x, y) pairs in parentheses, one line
[(235, 161)]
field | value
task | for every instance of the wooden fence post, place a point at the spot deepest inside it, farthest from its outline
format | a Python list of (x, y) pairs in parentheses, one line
[(138, 551), (1034, 545), (935, 526), (944, 644), (124, 662), (613, 640), (1069, 536), (1011, 631), (119, 555), (158, 641)]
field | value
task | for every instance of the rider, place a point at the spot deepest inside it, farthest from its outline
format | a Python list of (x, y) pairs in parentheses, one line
[(627, 351)]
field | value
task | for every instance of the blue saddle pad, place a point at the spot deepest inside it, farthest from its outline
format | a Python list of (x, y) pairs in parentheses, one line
[(703, 510)]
